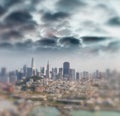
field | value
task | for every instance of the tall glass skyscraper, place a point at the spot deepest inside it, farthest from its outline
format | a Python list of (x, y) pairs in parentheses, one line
[(66, 69), (32, 63), (47, 70)]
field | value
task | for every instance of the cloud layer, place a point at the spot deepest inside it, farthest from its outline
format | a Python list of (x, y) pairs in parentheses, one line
[(90, 26)]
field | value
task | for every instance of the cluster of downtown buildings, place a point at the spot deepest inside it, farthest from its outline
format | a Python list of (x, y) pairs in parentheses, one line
[(64, 73)]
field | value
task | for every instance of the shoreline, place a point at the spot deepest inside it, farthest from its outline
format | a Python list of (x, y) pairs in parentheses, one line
[(66, 111)]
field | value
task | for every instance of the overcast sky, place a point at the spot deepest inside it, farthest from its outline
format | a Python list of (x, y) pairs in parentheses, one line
[(84, 32)]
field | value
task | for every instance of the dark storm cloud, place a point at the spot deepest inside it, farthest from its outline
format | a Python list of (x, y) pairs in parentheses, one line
[(36, 1), (24, 45), (19, 17), (70, 44), (15, 26), (6, 46), (30, 26), (2, 10), (50, 43), (46, 42), (11, 35), (115, 21), (70, 41), (8, 3), (19, 20), (64, 19), (90, 39), (69, 5), (54, 16)]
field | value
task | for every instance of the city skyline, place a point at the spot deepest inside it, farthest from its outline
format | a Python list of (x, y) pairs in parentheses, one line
[(88, 35), (81, 66), (64, 72)]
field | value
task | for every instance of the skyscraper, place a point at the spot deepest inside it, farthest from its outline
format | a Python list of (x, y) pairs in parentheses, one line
[(4, 77), (42, 71), (33, 67), (32, 63), (25, 70), (29, 72), (66, 69), (3, 71), (47, 70), (85, 75), (13, 77), (72, 74), (60, 73), (77, 75), (54, 73)]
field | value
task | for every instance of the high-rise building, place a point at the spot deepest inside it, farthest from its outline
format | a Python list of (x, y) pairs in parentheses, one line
[(34, 72), (33, 69), (60, 73), (108, 73), (25, 70), (32, 63), (4, 77), (42, 71), (4, 71), (77, 75), (66, 70), (98, 74), (85, 75), (13, 77), (29, 72), (47, 71), (72, 74), (19, 74), (38, 74), (54, 73)]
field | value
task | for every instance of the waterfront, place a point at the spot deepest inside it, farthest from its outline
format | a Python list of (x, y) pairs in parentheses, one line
[(44, 111), (52, 111), (90, 113), (42, 96)]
